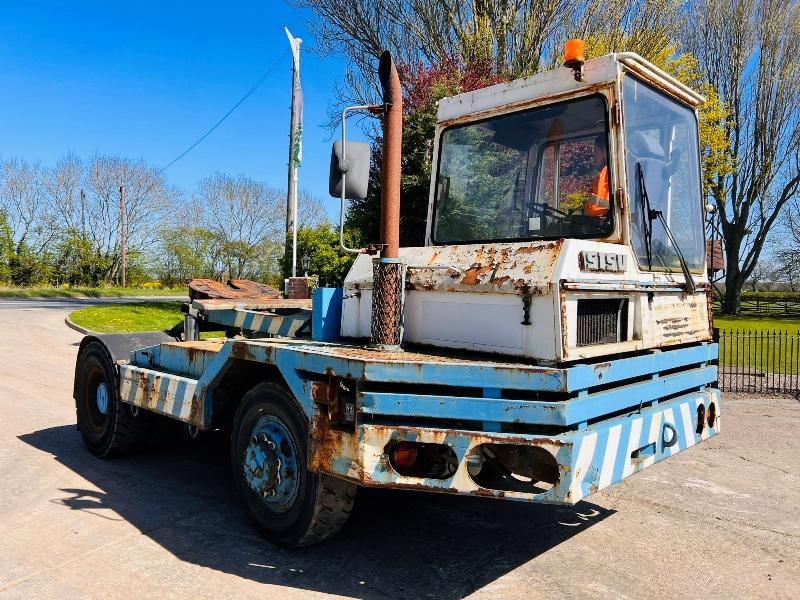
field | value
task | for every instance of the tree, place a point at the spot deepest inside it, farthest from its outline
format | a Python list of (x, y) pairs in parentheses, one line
[(148, 199), (786, 250), (514, 38), (6, 248), (747, 51), (62, 224), (185, 253), (327, 260), (758, 276), (29, 267), (246, 221), (241, 214), (63, 184), (647, 27), (23, 197), (77, 262)]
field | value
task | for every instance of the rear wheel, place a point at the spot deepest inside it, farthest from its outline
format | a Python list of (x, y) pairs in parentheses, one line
[(292, 506), (107, 425)]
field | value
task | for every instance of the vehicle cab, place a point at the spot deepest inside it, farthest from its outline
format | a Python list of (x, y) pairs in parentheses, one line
[(565, 220)]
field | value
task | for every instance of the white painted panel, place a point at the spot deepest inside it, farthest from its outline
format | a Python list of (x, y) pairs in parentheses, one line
[(482, 324)]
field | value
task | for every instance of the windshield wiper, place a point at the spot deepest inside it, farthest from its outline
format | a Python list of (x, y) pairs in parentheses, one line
[(648, 216), (647, 222)]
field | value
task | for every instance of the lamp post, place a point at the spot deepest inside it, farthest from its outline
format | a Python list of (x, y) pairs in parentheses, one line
[(305, 263)]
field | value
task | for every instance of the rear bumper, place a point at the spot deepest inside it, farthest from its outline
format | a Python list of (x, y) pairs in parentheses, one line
[(587, 459)]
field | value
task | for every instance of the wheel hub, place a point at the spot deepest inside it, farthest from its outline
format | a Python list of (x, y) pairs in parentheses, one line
[(270, 464), (101, 398)]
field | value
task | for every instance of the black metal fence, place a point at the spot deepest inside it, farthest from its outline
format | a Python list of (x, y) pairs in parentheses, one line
[(762, 362), (765, 306)]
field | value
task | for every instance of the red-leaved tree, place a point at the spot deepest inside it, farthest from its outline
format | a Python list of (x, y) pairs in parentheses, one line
[(423, 86)]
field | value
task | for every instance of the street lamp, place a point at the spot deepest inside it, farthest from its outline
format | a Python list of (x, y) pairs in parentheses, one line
[(305, 263)]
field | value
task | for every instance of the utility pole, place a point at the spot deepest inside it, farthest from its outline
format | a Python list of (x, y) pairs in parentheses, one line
[(295, 148), (123, 235), (83, 214)]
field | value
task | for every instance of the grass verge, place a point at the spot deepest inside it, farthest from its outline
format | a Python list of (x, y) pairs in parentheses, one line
[(88, 292), (747, 343), (756, 323), (128, 317)]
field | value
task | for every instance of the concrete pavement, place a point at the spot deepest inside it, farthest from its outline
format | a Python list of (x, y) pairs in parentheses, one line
[(718, 521)]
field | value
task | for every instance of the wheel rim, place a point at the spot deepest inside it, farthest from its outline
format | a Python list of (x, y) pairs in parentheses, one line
[(101, 398), (271, 464), (97, 394)]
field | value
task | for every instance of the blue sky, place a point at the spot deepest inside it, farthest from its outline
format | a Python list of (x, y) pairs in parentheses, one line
[(146, 79)]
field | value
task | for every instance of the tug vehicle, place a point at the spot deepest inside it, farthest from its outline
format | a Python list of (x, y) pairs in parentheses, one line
[(552, 337)]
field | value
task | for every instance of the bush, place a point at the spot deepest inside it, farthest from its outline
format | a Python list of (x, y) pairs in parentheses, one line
[(775, 296), (328, 262)]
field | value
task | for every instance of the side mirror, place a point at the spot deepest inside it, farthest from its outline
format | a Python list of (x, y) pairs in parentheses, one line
[(353, 169)]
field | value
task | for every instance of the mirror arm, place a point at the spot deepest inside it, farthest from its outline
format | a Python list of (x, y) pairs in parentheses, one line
[(343, 162)]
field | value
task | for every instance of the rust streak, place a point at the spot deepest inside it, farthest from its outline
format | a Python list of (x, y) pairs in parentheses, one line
[(472, 275)]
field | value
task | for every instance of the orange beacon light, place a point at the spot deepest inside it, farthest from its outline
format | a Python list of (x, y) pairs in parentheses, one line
[(575, 56)]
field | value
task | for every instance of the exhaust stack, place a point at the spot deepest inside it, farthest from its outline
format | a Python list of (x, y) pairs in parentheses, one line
[(388, 271)]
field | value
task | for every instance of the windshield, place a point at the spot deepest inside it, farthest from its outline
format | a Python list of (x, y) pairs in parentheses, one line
[(537, 174), (662, 167)]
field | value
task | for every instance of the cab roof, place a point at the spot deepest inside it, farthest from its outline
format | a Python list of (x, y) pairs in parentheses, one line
[(560, 83)]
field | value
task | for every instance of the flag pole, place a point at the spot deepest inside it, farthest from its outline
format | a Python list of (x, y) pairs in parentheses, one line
[(295, 132)]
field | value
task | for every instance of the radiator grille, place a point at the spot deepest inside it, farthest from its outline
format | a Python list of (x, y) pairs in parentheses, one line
[(602, 321)]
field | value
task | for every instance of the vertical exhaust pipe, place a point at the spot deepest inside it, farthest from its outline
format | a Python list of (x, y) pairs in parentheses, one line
[(388, 276), (392, 151)]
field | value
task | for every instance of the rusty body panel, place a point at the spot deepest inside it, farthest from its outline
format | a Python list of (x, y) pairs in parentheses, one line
[(256, 316), (163, 393), (587, 460), (360, 401), (250, 303), (532, 291), (207, 289), (486, 268), (475, 268)]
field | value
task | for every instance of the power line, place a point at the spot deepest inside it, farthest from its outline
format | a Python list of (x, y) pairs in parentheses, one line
[(249, 93)]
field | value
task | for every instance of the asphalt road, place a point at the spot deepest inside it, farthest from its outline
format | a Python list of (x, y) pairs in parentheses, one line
[(718, 521), (70, 304)]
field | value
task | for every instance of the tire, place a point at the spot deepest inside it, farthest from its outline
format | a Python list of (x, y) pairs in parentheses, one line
[(107, 425), (292, 506)]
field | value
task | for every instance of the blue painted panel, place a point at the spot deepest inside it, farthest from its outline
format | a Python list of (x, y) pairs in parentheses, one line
[(581, 377), (326, 314), (459, 407), (295, 358), (502, 375), (567, 412), (598, 404)]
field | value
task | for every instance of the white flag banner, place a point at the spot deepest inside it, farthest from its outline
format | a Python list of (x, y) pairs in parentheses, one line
[(297, 93)]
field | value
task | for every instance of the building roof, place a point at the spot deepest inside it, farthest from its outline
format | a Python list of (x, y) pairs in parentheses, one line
[(718, 262)]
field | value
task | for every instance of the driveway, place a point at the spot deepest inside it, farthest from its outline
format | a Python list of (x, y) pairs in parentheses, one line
[(718, 521)]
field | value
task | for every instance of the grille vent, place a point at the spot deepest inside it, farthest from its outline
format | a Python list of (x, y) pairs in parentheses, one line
[(602, 321)]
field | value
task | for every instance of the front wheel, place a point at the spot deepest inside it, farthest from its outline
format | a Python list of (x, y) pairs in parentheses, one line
[(292, 506), (107, 425)]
